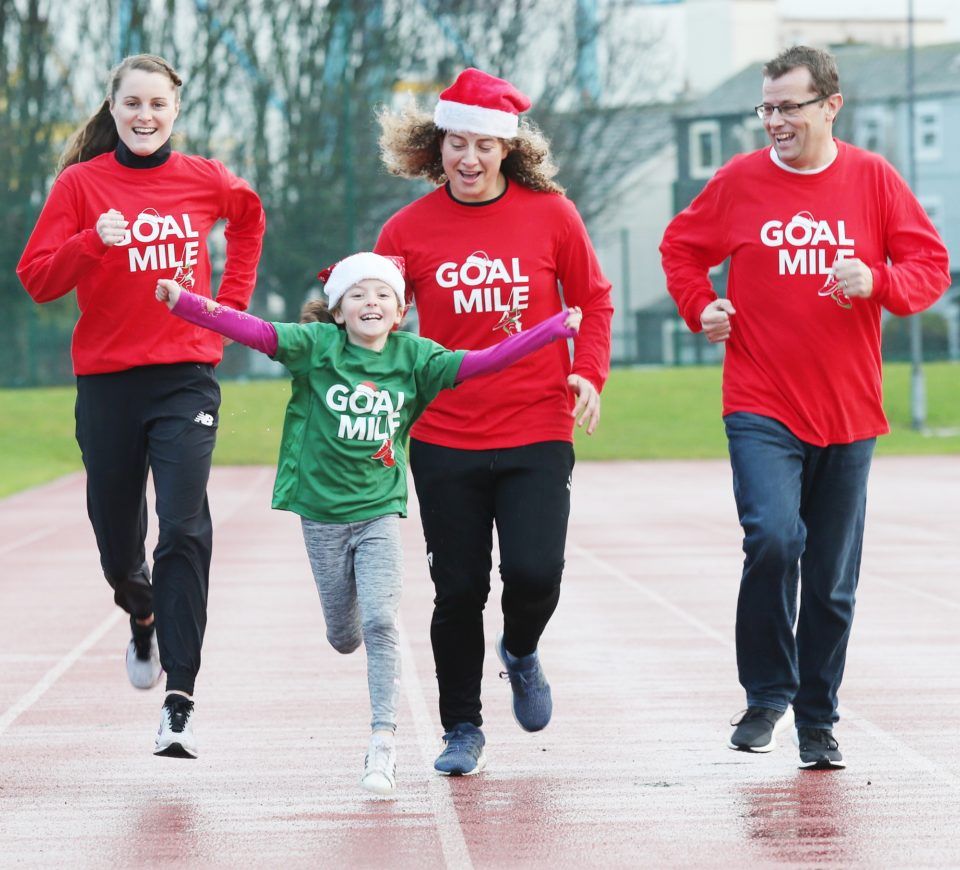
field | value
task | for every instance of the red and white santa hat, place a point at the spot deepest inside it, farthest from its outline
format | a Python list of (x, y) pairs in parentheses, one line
[(340, 277), (478, 102)]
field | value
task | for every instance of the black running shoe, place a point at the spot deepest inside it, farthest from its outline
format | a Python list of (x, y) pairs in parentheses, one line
[(757, 729), (818, 749)]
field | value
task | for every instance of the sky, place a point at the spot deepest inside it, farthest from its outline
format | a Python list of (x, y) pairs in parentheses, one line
[(950, 9)]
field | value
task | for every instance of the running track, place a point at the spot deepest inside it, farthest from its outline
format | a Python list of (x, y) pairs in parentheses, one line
[(631, 773)]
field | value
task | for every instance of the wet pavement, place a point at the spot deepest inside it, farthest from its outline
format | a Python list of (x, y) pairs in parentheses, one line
[(632, 772)]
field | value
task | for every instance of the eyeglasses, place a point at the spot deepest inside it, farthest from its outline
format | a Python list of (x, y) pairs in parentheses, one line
[(787, 110)]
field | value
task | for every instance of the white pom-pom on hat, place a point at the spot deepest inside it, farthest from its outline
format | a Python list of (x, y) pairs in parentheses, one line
[(340, 277)]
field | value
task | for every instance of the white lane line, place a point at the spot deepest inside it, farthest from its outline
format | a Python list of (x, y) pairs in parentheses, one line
[(452, 842), (911, 756), (658, 599), (914, 592), (31, 494), (224, 516), (29, 539), (63, 482), (58, 670), (25, 658), (906, 753), (36, 493)]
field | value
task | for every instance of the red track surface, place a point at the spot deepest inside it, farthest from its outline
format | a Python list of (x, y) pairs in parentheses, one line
[(632, 771)]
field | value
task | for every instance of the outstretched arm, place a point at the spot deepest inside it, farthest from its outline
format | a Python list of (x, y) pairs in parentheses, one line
[(563, 324), (237, 325)]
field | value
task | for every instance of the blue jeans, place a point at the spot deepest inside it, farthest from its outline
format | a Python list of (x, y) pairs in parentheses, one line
[(802, 511)]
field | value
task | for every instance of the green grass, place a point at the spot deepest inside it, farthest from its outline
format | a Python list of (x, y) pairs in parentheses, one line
[(36, 437), (647, 414), (251, 421), (656, 413), (675, 414)]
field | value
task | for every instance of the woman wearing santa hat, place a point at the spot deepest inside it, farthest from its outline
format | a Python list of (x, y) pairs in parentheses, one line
[(486, 254)]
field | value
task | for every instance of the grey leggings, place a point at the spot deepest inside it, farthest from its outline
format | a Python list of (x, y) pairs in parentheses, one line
[(358, 571)]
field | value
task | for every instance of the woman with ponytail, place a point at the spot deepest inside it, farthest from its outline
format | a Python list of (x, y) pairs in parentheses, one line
[(124, 211)]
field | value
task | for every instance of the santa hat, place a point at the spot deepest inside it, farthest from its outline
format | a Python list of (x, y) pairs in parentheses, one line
[(340, 277), (478, 102)]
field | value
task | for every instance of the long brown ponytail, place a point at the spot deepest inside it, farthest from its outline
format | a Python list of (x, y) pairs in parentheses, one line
[(99, 134)]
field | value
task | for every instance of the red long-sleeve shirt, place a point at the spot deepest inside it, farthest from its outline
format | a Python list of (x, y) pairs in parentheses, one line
[(170, 209), (795, 353), (479, 272)]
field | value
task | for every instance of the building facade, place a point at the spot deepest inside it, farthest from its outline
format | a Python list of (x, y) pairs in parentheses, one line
[(875, 116)]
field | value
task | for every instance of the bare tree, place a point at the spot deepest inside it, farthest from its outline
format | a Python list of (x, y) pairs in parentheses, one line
[(285, 93), (33, 114), (311, 139), (589, 68), (323, 69)]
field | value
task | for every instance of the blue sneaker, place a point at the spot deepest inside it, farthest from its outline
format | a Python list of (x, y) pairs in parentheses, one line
[(532, 702), (462, 751)]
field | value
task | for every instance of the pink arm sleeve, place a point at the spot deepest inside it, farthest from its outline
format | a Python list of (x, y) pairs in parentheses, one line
[(508, 351), (245, 328)]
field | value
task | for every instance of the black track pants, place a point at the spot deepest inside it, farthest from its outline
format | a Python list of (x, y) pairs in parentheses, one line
[(163, 419), (525, 491)]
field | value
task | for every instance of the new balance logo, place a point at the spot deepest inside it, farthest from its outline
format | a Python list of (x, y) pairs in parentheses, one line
[(204, 419)]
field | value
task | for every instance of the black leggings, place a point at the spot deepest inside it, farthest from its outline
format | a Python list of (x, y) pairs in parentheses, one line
[(160, 418), (462, 493)]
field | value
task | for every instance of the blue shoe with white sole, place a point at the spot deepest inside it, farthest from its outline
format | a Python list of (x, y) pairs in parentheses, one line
[(532, 701), (462, 751)]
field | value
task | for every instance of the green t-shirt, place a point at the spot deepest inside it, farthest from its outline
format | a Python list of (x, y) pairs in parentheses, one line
[(343, 452)]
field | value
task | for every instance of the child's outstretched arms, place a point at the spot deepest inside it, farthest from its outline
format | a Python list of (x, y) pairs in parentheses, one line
[(563, 324), (237, 325)]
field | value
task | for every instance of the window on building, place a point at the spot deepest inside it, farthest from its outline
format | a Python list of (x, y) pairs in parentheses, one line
[(933, 205), (928, 119), (705, 155), (870, 129), (752, 135)]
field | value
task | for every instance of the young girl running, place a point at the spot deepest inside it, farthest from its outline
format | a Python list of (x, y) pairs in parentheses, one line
[(357, 388)]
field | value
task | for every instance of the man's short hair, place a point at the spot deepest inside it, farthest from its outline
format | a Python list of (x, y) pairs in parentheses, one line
[(822, 66)]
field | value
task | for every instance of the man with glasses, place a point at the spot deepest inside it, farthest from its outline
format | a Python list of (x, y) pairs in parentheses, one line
[(820, 236)]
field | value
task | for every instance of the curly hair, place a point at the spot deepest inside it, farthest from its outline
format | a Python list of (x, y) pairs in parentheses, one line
[(410, 147)]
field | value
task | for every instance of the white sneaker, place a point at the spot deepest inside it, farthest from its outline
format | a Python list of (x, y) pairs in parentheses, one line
[(380, 766), (144, 672), (175, 737)]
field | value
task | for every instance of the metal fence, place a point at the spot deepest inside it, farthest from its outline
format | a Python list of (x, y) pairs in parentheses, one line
[(35, 347)]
